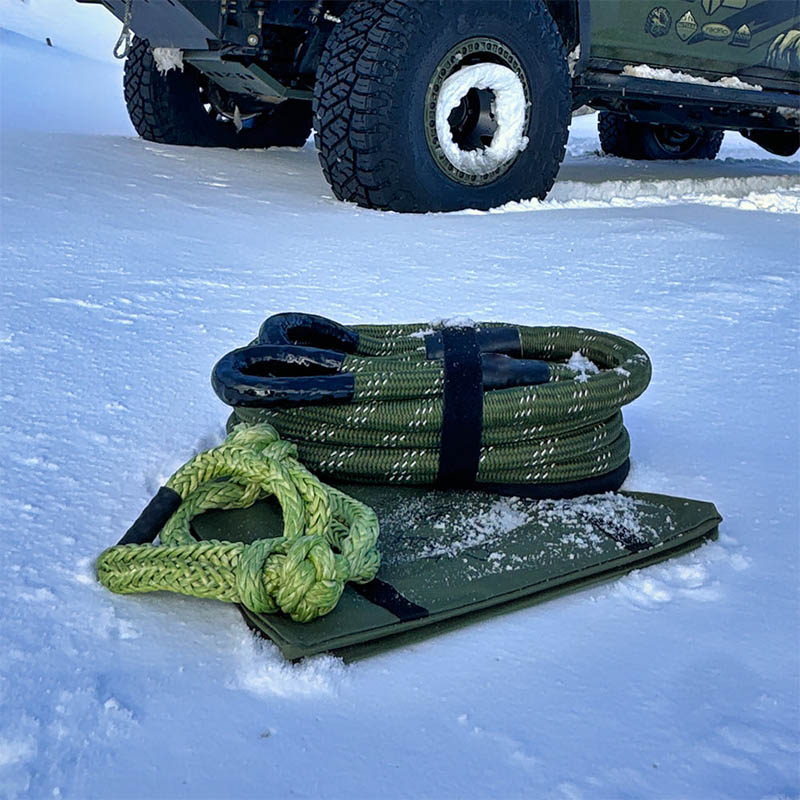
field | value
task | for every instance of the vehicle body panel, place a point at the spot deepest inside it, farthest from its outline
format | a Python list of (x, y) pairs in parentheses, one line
[(718, 37)]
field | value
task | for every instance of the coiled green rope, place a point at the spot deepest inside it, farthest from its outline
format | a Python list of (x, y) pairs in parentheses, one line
[(565, 430), (328, 537)]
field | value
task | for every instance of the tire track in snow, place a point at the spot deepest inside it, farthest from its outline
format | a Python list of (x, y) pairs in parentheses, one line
[(771, 193)]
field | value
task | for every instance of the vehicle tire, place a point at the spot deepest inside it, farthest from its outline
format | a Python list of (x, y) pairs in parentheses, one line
[(181, 107), (621, 136), (382, 96)]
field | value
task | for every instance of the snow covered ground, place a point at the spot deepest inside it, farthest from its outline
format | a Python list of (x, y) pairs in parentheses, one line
[(129, 268)]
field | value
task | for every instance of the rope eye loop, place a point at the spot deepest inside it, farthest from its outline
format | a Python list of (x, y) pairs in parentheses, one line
[(308, 330), (269, 375)]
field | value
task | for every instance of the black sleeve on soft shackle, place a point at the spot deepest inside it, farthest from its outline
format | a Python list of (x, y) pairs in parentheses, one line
[(153, 517), (386, 596), (462, 408)]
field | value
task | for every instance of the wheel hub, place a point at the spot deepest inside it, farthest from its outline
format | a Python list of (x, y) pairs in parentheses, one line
[(674, 140), (472, 124)]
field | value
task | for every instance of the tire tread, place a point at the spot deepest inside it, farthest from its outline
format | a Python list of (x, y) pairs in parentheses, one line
[(353, 106), (165, 109)]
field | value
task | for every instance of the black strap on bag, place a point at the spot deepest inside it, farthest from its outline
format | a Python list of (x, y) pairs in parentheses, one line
[(386, 596)]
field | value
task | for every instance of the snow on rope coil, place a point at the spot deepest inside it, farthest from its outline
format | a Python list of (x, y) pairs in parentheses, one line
[(382, 417), (508, 107)]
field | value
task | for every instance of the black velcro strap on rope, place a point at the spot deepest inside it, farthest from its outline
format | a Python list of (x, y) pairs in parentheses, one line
[(462, 408), (153, 518), (386, 596)]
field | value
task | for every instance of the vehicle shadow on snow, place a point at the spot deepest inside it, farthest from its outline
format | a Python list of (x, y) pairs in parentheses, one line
[(595, 167)]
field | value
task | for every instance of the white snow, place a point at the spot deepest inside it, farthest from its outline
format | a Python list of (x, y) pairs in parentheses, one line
[(509, 107), (572, 60), (129, 267), (456, 321), (663, 74), (583, 366), (773, 193), (168, 58), (789, 113), (48, 88)]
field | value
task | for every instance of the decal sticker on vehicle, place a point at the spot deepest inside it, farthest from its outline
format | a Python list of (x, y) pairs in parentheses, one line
[(741, 37), (686, 26), (784, 52), (710, 6), (716, 31), (742, 26), (658, 22)]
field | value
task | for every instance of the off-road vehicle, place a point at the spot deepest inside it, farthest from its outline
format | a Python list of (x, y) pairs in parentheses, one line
[(428, 105)]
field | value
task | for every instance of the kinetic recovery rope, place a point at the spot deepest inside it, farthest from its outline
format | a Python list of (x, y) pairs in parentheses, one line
[(328, 538), (491, 406)]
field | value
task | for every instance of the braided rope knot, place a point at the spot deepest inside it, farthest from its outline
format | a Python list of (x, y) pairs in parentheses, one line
[(303, 578), (328, 537)]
